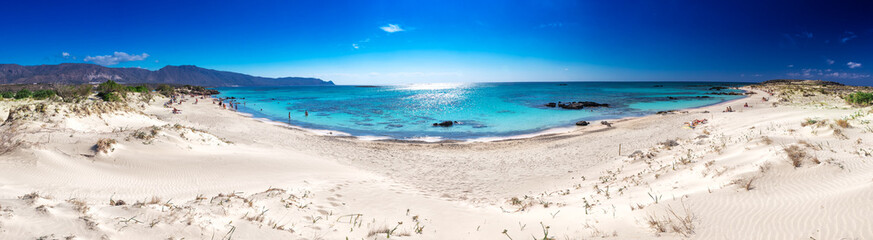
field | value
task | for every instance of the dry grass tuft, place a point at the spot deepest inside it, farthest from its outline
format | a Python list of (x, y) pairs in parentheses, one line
[(681, 223), (105, 145), (796, 155), (843, 123), (79, 205), (745, 183), (766, 140), (30, 198)]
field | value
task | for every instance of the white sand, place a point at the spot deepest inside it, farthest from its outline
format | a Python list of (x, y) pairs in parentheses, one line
[(326, 187)]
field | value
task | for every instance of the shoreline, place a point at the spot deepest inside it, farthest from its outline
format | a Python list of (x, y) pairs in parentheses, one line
[(211, 171), (557, 130)]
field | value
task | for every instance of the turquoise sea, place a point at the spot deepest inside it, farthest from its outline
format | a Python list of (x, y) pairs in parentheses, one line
[(482, 110)]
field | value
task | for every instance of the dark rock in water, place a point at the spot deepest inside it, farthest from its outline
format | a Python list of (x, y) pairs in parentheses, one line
[(606, 123), (718, 88), (551, 104), (581, 105), (703, 96), (582, 123), (562, 84), (444, 124), (665, 112), (658, 86), (672, 98)]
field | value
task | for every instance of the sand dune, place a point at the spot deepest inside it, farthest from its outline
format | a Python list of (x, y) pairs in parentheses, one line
[(217, 174)]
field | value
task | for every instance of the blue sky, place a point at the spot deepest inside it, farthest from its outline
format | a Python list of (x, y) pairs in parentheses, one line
[(393, 42)]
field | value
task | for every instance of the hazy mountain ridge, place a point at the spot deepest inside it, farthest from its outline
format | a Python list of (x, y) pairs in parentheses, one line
[(79, 73)]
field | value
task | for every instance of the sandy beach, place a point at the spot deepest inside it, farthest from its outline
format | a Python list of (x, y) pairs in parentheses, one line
[(779, 169)]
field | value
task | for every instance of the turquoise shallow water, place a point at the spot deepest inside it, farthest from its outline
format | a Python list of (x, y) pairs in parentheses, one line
[(483, 109)]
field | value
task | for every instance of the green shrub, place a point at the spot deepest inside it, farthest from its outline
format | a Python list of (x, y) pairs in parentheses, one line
[(110, 86), (8, 94), (43, 94), (166, 90), (23, 93), (74, 93), (109, 96), (139, 89), (859, 98)]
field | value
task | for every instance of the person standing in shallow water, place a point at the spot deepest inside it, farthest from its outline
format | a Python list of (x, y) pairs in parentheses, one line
[(306, 113)]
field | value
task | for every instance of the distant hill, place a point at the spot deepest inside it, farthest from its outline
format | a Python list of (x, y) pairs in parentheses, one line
[(79, 73), (801, 81)]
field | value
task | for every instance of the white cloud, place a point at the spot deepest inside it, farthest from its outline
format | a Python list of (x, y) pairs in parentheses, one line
[(853, 65), (818, 73), (848, 36), (355, 46), (552, 25), (391, 28), (830, 61), (65, 54), (116, 58), (790, 65)]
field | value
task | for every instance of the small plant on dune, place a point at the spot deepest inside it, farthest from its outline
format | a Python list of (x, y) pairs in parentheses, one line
[(506, 233), (745, 183), (839, 134), (30, 198), (79, 205), (843, 123), (766, 140), (795, 154), (105, 145), (545, 232), (808, 121), (682, 224), (388, 232)]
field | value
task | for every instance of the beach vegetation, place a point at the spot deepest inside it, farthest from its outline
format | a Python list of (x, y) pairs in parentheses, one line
[(165, 90), (109, 96), (43, 94), (766, 140), (7, 94), (74, 93), (23, 93), (138, 89), (813, 121), (110, 86), (746, 183), (859, 98), (545, 232), (681, 223), (843, 123), (111, 91), (795, 154), (104, 145), (8, 143)]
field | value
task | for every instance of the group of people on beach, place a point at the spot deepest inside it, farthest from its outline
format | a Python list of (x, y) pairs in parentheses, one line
[(694, 123), (178, 99)]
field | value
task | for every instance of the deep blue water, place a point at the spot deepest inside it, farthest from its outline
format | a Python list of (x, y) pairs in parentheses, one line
[(484, 109)]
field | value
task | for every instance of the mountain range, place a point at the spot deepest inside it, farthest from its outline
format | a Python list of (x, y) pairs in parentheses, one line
[(81, 73)]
